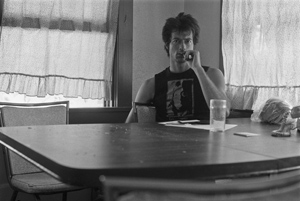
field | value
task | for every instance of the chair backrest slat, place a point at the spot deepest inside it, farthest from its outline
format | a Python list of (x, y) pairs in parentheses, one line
[(145, 112), (13, 114)]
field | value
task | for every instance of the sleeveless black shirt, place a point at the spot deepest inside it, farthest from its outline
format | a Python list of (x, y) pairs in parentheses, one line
[(179, 96)]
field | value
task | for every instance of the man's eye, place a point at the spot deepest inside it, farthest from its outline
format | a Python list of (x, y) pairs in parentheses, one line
[(175, 41)]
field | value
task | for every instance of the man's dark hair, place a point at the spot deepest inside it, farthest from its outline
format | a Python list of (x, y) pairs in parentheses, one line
[(181, 23)]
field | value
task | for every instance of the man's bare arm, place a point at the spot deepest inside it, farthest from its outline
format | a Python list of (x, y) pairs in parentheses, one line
[(212, 82), (213, 86), (144, 95)]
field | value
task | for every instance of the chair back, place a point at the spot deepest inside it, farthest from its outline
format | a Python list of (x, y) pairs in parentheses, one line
[(23, 114), (144, 112), (285, 186)]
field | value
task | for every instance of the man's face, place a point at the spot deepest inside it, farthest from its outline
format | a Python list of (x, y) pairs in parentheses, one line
[(180, 43)]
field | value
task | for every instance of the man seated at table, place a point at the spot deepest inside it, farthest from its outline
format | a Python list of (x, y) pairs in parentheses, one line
[(183, 90)]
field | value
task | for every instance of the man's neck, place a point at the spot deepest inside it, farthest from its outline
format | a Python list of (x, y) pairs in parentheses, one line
[(178, 67)]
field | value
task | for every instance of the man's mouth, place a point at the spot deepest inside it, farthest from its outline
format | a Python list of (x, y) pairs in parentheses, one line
[(180, 55)]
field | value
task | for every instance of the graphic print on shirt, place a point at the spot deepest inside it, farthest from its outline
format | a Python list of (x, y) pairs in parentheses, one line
[(180, 100)]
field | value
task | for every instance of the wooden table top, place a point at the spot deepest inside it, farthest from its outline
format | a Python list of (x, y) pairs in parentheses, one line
[(80, 154)]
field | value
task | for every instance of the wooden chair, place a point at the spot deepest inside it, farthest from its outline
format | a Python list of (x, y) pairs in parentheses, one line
[(144, 112), (285, 186), (22, 175)]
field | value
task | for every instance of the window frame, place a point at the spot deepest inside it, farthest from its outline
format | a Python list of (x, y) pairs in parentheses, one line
[(123, 64), (122, 69), (1, 12)]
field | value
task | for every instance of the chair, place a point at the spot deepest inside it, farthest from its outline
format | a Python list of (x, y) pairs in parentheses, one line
[(285, 186), (22, 175), (144, 112)]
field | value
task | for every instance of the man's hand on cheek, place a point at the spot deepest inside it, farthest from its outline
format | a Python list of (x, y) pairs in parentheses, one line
[(193, 58)]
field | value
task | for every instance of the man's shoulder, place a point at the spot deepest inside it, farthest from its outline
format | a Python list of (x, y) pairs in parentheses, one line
[(149, 82), (215, 74), (146, 91), (213, 70)]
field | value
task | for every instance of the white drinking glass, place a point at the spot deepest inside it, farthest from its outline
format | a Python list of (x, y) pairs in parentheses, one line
[(217, 115)]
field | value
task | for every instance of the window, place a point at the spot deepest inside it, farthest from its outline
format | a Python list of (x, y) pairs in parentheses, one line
[(261, 51), (58, 49)]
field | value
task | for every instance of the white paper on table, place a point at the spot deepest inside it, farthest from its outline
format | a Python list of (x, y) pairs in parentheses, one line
[(197, 126)]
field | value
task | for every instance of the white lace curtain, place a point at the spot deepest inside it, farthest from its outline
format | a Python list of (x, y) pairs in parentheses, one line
[(58, 47), (261, 51)]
